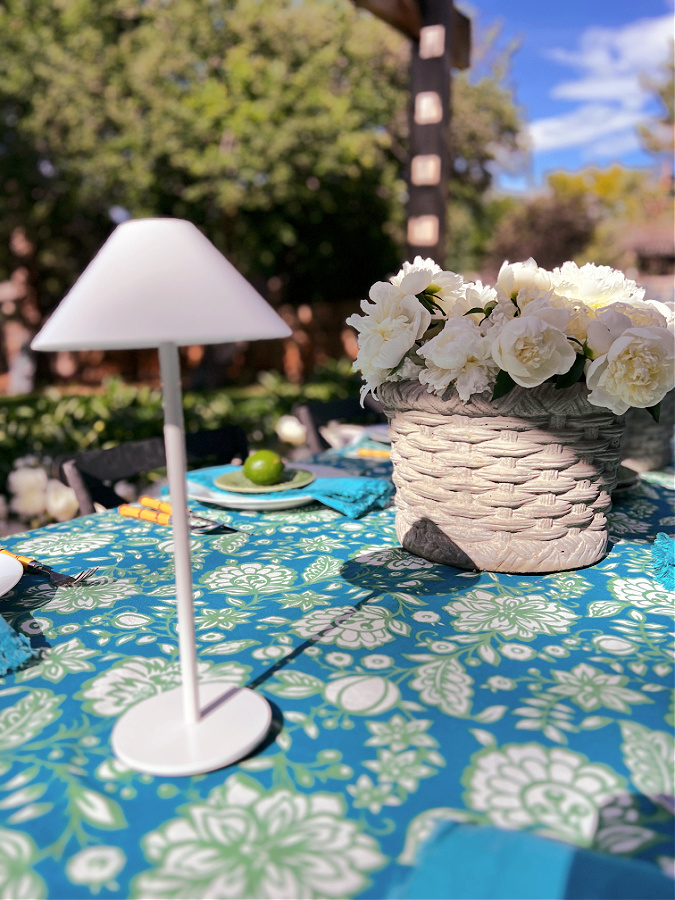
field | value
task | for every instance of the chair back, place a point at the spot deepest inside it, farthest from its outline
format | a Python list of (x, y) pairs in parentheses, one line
[(92, 473), (315, 413)]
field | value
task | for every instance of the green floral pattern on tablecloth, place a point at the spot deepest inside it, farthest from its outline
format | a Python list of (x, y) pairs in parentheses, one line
[(406, 694)]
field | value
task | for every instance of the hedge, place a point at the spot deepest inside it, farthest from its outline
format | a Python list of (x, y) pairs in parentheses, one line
[(56, 421)]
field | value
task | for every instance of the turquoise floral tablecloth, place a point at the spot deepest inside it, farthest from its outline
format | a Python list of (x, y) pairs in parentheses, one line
[(405, 695)]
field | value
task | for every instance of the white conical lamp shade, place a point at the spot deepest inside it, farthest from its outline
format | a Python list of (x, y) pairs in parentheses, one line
[(158, 281)]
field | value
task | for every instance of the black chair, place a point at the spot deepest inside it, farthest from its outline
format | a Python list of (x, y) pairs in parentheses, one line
[(316, 413), (92, 473)]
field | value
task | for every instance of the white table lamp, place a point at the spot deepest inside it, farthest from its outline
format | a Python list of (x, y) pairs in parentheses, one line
[(161, 283)]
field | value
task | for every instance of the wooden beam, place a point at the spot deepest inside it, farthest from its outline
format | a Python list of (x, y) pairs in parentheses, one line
[(406, 17)]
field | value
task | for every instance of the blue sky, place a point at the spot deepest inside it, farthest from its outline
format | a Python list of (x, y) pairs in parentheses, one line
[(576, 77)]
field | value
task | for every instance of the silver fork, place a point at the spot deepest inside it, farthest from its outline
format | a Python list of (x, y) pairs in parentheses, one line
[(58, 579)]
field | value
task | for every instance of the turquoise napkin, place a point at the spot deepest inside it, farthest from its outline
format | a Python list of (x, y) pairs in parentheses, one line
[(475, 862), (663, 560), (353, 496), (15, 649)]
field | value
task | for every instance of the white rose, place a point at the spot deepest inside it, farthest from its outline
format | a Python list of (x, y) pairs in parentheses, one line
[(514, 277), (60, 501), (531, 350), (291, 430), (28, 485), (460, 354), (638, 370)]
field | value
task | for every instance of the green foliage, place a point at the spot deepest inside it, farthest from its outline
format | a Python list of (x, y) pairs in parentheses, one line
[(657, 136), (267, 125), (279, 129), (49, 423)]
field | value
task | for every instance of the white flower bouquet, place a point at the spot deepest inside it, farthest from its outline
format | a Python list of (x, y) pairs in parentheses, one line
[(563, 326)]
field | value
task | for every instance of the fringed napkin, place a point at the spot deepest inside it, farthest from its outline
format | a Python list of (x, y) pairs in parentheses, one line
[(15, 649)]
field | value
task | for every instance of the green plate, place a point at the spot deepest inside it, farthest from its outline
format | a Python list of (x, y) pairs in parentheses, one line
[(236, 481)]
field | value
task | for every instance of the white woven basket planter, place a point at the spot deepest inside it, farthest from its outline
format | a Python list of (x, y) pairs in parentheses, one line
[(521, 484)]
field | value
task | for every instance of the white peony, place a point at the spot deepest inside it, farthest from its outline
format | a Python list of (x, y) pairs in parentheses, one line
[(597, 286), (417, 265), (392, 323), (477, 296), (459, 354), (522, 276), (409, 370), (28, 486), (638, 370), (60, 501), (643, 314), (415, 277), (531, 350), (603, 331)]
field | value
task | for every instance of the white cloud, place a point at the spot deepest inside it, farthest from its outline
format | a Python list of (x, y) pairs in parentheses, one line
[(611, 65), (585, 124)]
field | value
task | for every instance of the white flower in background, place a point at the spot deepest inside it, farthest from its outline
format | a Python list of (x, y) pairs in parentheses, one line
[(597, 286), (60, 501), (522, 276), (459, 354), (531, 351), (638, 370), (290, 430), (28, 486)]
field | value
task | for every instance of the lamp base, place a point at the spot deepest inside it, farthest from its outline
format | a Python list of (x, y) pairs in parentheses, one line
[(153, 736)]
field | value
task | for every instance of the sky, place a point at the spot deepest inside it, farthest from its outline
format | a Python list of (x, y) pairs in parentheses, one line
[(577, 77)]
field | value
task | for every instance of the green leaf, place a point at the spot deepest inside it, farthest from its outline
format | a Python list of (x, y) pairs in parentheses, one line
[(503, 385), (655, 411), (295, 685), (569, 378)]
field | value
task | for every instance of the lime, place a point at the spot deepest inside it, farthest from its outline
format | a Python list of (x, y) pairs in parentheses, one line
[(264, 467)]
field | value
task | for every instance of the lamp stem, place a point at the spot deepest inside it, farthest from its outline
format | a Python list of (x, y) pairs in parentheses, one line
[(174, 441)]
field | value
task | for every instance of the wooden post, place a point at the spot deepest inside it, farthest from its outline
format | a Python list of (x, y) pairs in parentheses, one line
[(429, 118), (441, 37)]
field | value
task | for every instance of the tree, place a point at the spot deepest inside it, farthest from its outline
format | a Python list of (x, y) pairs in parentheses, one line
[(658, 136), (550, 228), (278, 128)]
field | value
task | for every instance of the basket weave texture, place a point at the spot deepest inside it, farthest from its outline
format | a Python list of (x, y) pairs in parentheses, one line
[(521, 484)]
